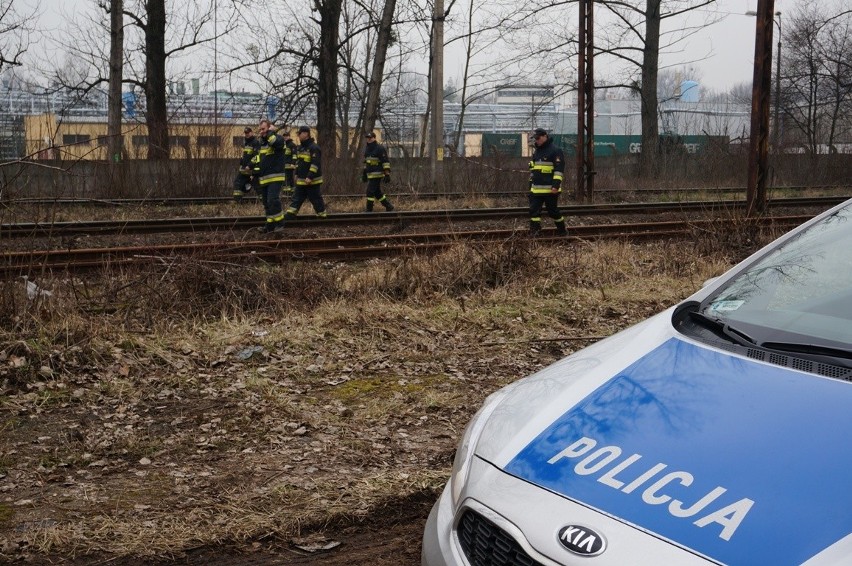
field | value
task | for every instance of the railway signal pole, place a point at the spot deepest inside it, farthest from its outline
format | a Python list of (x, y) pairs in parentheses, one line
[(585, 104)]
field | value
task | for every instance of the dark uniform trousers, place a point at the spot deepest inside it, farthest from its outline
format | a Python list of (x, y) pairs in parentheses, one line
[(548, 202), (271, 196), (244, 183), (302, 193), (374, 193)]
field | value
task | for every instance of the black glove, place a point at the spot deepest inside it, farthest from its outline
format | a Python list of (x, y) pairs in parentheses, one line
[(364, 177), (387, 178)]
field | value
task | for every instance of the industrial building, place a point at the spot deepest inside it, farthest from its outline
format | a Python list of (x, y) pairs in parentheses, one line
[(58, 124)]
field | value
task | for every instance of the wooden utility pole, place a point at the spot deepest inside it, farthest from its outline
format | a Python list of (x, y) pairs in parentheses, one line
[(436, 154), (585, 104), (761, 86)]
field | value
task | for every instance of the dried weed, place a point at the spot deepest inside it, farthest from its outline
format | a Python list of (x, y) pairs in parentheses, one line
[(202, 404)]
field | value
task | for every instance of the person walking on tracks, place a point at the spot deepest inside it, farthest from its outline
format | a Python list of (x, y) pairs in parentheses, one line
[(289, 162), (272, 161), (308, 176), (376, 170), (546, 172), (245, 179)]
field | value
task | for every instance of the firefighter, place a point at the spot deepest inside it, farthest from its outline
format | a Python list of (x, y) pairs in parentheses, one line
[(546, 170), (308, 175), (271, 174), (245, 180), (376, 169), (289, 161)]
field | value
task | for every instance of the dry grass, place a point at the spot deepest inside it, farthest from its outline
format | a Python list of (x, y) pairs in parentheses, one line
[(147, 413)]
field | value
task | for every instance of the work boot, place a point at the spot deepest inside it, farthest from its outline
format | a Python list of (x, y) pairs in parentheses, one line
[(535, 229), (388, 205), (560, 229), (369, 207)]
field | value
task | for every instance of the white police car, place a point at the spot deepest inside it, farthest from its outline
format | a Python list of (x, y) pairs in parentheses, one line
[(712, 433)]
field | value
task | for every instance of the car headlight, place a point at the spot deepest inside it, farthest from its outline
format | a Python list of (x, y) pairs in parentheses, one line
[(466, 448)]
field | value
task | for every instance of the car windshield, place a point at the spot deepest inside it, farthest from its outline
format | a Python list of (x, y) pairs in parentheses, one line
[(798, 294)]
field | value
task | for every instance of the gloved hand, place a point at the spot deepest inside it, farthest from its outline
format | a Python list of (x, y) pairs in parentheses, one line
[(387, 178), (364, 177)]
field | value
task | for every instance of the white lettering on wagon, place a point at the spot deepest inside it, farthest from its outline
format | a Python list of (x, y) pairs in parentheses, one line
[(623, 475)]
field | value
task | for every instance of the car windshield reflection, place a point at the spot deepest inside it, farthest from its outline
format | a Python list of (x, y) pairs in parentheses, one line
[(800, 292)]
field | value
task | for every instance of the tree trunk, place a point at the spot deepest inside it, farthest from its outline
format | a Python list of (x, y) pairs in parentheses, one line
[(115, 143), (374, 88), (457, 139), (327, 69), (648, 92), (155, 80)]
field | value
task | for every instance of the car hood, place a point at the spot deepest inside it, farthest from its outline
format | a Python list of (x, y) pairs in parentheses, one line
[(736, 460)]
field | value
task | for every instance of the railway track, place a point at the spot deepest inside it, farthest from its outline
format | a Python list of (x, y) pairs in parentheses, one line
[(234, 223), (206, 200), (346, 248)]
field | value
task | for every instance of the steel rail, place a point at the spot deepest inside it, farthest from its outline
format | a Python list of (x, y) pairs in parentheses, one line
[(206, 224), (342, 248), (183, 201)]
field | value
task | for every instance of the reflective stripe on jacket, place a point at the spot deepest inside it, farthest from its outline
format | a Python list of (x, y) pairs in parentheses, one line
[(547, 168), (271, 154), (250, 147), (290, 154), (376, 162), (308, 163)]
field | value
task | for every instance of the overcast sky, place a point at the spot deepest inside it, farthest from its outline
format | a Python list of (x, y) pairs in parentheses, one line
[(723, 53)]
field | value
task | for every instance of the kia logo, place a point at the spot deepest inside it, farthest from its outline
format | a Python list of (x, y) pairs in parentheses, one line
[(581, 540)]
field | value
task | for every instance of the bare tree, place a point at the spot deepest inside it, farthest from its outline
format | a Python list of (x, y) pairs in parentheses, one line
[(115, 141), (327, 67), (639, 39), (155, 38), (384, 38), (15, 28), (817, 78)]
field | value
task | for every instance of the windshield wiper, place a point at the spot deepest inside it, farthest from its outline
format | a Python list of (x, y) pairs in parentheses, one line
[(803, 348), (734, 335)]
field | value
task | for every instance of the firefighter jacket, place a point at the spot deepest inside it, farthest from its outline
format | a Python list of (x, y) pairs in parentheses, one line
[(250, 147), (272, 159), (290, 154), (376, 162), (308, 164), (546, 168)]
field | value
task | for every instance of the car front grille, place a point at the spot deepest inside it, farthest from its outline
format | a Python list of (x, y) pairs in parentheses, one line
[(486, 544)]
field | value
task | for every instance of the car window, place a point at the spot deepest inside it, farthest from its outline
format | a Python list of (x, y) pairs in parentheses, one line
[(802, 290)]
